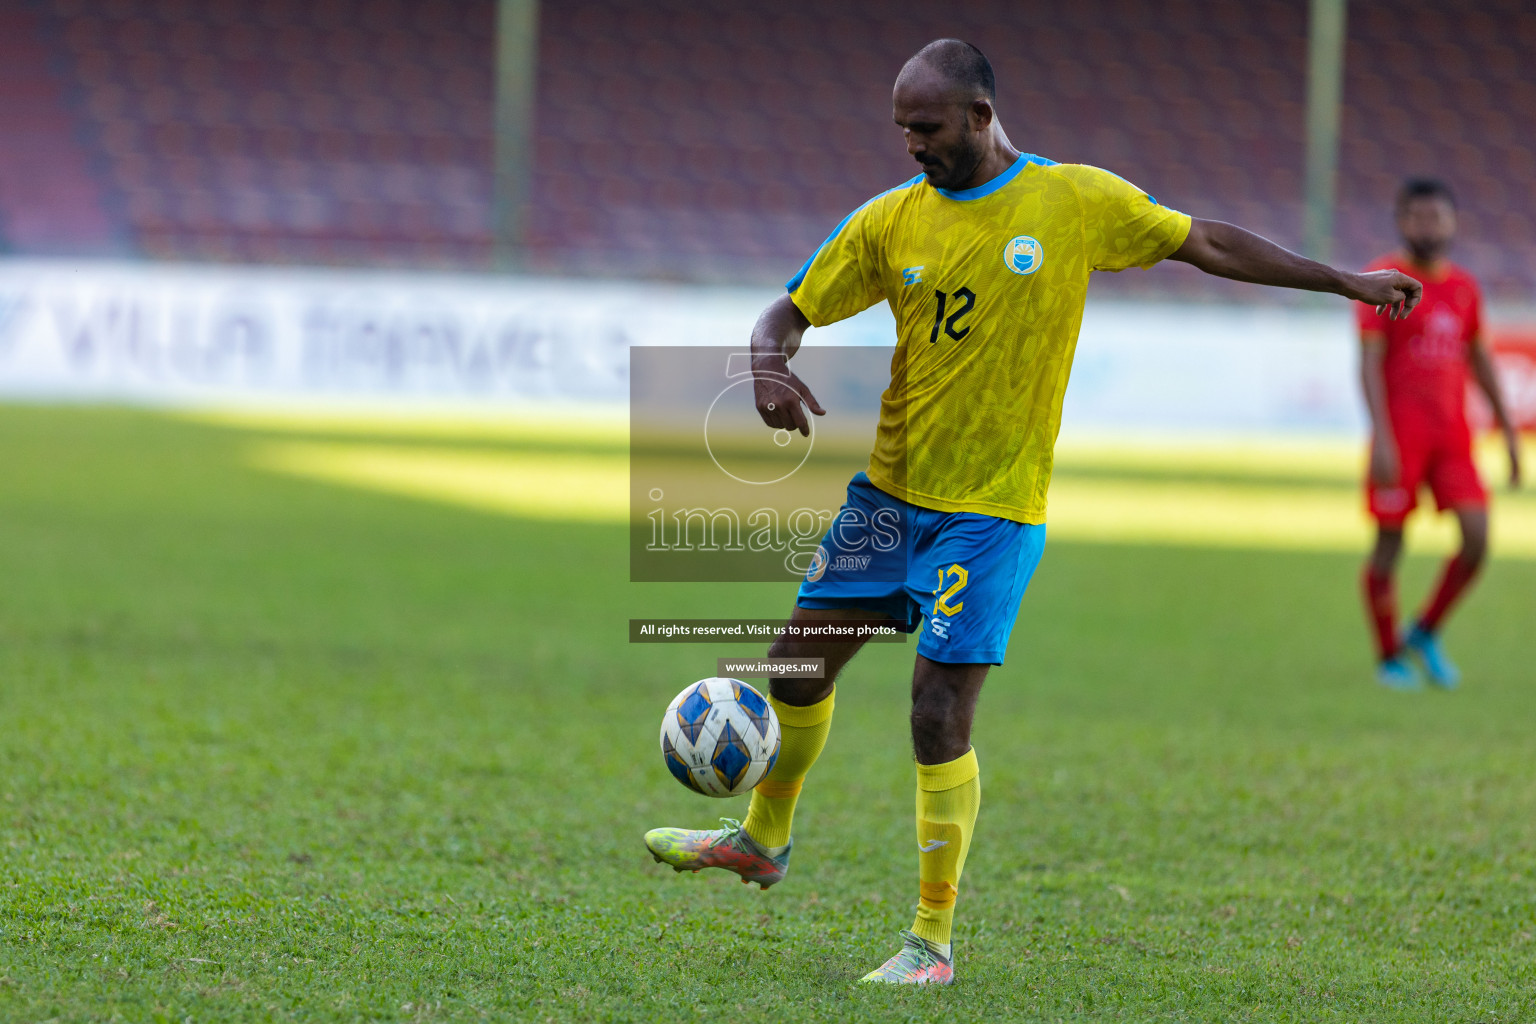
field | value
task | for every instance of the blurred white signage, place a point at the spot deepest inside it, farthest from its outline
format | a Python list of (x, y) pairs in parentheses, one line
[(1216, 368), (162, 333), (197, 333)]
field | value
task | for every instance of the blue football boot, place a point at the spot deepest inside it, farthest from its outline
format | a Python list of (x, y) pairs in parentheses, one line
[(1395, 673), (1426, 647)]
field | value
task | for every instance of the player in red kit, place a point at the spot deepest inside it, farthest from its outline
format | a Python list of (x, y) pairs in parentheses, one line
[(1414, 374)]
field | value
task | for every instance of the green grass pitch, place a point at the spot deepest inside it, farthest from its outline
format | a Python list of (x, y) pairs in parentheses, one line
[(272, 749)]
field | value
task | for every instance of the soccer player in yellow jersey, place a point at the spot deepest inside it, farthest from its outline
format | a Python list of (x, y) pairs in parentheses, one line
[(984, 258)]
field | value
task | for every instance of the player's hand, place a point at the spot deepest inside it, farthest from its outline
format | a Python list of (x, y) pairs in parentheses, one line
[(1512, 442), (779, 394), (1385, 467), (1391, 291)]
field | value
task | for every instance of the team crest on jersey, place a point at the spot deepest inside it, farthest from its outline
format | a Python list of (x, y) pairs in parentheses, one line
[(818, 564), (1023, 255)]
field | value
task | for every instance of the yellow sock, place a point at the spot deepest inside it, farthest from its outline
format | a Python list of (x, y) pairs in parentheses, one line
[(948, 797), (804, 731)]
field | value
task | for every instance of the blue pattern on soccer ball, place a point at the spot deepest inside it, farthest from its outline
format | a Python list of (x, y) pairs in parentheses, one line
[(756, 708), (681, 773), (676, 766), (692, 713), (731, 759), (696, 704)]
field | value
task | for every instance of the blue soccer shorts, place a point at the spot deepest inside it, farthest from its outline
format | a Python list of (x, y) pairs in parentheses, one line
[(955, 578)]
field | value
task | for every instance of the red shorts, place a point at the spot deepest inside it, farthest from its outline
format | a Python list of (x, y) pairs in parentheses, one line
[(1443, 461)]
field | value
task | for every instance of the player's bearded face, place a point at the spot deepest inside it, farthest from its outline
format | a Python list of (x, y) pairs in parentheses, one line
[(945, 127), (950, 156), (954, 164), (1427, 224)]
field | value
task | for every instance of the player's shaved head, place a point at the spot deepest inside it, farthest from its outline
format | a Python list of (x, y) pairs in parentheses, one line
[(943, 103), (959, 65)]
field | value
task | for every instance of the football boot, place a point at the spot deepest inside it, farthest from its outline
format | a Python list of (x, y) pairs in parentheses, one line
[(917, 963), (728, 847), (1395, 673), (1426, 647)]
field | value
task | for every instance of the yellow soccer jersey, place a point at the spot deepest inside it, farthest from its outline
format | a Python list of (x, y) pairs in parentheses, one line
[(988, 286)]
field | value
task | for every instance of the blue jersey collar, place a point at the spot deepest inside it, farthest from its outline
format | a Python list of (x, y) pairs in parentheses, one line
[(987, 188)]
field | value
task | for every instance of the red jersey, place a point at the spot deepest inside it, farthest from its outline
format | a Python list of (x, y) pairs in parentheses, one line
[(1425, 365)]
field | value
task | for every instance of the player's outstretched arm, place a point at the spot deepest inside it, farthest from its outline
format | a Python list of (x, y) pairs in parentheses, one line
[(778, 392), (1488, 380), (1227, 250)]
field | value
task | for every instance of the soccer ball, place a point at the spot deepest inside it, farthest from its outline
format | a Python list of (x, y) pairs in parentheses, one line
[(719, 737)]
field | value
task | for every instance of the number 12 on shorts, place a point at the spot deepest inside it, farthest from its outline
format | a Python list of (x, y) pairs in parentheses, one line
[(944, 594)]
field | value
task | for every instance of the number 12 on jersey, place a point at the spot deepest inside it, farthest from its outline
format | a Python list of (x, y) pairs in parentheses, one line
[(965, 299)]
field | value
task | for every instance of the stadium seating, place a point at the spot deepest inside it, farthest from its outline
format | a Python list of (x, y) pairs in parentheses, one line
[(346, 131), (710, 139), (1450, 90), (52, 199), (696, 135)]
